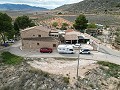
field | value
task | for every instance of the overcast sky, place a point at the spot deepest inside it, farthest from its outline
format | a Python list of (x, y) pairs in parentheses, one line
[(50, 4)]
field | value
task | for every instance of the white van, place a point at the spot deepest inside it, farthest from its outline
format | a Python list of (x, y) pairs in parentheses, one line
[(68, 49)]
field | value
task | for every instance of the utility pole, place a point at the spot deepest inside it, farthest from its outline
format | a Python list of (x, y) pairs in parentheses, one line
[(78, 62)]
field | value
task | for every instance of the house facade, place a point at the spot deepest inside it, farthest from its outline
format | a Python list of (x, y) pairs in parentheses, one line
[(38, 37)]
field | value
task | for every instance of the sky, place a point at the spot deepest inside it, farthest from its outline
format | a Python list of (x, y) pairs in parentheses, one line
[(50, 4)]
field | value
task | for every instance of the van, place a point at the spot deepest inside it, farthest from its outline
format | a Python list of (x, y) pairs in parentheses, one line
[(67, 49)]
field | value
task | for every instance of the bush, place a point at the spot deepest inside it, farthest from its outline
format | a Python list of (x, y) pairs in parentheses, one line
[(9, 58), (114, 69), (66, 80)]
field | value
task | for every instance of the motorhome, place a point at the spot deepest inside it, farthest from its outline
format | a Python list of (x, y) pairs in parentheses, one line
[(67, 49)]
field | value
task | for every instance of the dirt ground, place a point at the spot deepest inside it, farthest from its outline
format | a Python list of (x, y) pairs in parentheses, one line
[(67, 68)]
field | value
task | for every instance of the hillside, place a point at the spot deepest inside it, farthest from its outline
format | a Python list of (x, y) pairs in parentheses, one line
[(26, 77), (92, 6), (19, 7)]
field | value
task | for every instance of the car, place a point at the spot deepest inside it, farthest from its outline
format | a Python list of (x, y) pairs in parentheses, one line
[(84, 51), (5, 44), (10, 41), (46, 50), (77, 45)]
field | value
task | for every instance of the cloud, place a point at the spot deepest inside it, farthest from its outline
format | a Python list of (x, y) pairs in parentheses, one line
[(51, 4)]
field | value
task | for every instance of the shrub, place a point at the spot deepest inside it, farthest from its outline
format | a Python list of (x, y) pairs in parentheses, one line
[(113, 70), (9, 58), (66, 80)]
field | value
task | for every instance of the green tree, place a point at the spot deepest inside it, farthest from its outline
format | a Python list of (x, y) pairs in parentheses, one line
[(92, 25), (6, 27), (22, 22), (55, 24), (64, 26), (80, 23)]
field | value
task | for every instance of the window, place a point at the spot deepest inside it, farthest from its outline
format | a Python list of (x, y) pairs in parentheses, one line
[(39, 35), (54, 45), (37, 43), (71, 49)]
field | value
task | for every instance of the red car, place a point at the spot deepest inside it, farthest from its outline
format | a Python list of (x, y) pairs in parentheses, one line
[(46, 50)]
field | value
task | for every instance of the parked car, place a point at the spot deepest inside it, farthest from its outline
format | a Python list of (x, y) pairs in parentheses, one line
[(77, 45), (5, 44), (10, 41), (46, 50), (84, 51)]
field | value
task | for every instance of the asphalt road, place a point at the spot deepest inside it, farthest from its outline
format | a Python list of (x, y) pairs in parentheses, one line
[(95, 55)]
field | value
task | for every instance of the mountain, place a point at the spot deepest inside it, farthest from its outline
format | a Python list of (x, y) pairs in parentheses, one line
[(19, 7), (92, 5)]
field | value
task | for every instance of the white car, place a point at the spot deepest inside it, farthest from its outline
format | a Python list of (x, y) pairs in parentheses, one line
[(77, 45), (84, 51), (10, 41)]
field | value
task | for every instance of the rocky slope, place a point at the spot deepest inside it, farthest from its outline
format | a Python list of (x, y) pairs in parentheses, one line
[(25, 77), (92, 6)]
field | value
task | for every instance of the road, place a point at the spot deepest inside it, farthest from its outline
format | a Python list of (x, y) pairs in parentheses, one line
[(108, 50), (95, 55)]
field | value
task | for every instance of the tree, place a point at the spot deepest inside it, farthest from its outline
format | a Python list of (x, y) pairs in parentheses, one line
[(92, 25), (22, 22), (55, 24), (6, 27), (64, 26), (80, 23)]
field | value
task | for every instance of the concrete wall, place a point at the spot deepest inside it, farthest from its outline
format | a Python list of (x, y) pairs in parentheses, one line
[(33, 45)]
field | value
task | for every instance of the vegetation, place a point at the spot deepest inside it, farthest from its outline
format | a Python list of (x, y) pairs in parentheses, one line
[(64, 26), (10, 59), (66, 80), (59, 13), (22, 22), (55, 24), (80, 23), (92, 25), (117, 39), (114, 69), (6, 28)]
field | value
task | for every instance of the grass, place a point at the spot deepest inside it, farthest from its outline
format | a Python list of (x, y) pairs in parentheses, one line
[(114, 69), (11, 59)]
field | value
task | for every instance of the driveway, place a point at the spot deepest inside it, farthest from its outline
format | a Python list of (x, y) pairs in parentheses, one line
[(95, 55)]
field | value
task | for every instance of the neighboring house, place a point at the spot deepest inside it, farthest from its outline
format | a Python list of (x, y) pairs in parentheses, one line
[(37, 37), (94, 31), (73, 37), (54, 33)]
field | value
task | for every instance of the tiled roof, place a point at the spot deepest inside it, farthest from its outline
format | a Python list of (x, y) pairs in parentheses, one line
[(41, 28), (69, 30)]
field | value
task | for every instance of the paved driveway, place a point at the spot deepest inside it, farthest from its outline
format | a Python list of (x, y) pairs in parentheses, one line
[(95, 55)]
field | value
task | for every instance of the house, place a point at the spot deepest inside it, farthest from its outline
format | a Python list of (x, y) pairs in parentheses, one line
[(94, 31), (38, 37), (73, 37), (36, 31)]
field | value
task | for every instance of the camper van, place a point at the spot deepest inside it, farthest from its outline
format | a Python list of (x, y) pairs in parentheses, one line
[(67, 49)]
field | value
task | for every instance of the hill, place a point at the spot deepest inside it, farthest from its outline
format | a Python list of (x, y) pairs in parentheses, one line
[(19, 7), (92, 6)]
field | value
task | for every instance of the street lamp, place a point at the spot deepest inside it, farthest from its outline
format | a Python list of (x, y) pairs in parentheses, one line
[(78, 62)]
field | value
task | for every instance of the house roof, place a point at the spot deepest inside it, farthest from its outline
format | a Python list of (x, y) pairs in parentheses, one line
[(41, 28), (48, 39), (69, 30)]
